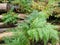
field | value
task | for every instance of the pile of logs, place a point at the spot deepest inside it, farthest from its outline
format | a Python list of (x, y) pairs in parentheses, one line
[(4, 7)]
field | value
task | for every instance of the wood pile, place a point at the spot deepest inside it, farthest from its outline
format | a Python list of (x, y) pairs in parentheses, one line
[(4, 7)]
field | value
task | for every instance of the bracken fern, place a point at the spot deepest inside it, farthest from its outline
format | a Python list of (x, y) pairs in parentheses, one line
[(37, 30), (10, 18)]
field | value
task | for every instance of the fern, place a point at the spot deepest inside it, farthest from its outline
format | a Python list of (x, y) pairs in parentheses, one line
[(41, 30), (18, 39), (9, 18), (36, 28)]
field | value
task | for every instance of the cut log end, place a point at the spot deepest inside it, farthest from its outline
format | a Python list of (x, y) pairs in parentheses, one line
[(6, 34), (4, 7)]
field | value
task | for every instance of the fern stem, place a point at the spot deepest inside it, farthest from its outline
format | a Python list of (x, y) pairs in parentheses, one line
[(45, 42), (32, 42)]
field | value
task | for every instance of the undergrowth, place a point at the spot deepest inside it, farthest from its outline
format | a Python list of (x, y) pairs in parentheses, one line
[(10, 18), (25, 5), (37, 29)]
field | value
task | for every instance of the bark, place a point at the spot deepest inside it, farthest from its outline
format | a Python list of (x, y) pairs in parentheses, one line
[(4, 7), (2, 25), (6, 34), (22, 16)]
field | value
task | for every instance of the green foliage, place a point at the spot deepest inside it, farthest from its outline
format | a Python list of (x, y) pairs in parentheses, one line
[(59, 36), (32, 16), (20, 35), (25, 5), (9, 18), (35, 26), (37, 29), (40, 29), (18, 39)]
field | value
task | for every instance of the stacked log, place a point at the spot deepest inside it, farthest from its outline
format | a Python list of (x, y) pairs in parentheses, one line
[(4, 7), (5, 34), (5, 27)]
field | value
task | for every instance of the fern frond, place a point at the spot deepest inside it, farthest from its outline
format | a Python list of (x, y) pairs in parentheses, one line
[(9, 17), (34, 34), (18, 39), (45, 30)]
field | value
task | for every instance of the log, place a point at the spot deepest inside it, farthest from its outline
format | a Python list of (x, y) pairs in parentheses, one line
[(57, 10), (10, 34), (3, 44), (6, 34), (5, 29), (57, 43), (4, 7), (1, 16), (51, 44), (58, 15), (2, 25), (20, 16), (57, 27)]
